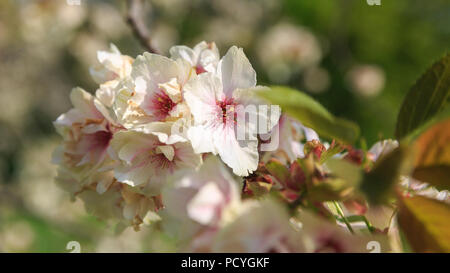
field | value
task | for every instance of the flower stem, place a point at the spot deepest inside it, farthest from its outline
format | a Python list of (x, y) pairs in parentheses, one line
[(341, 213)]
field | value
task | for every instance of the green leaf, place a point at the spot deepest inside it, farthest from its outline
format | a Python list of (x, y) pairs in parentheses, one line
[(331, 189), (378, 184), (425, 222), (343, 180), (311, 114), (348, 171), (443, 115), (428, 96), (432, 164)]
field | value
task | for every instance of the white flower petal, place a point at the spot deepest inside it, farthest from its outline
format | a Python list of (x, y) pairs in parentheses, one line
[(133, 176), (84, 102), (106, 94), (183, 52), (154, 69), (241, 155), (383, 147), (236, 71), (201, 138)]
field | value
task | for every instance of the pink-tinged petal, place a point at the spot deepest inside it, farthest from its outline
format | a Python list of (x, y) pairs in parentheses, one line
[(288, 145), (205, 204), (241, 155), (209, 58), (236, 71), (262, 227), (186, 198), (328, 237), (128, 144), (176, 198), (94, 147), (144, 160), (149, 72), (84, 102), (201, 95)]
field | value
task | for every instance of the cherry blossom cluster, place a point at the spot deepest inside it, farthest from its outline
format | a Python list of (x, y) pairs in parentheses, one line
[(185, 140), (151, 117)]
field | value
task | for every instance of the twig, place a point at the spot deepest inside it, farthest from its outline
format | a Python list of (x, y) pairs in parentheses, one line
[(136, 22)]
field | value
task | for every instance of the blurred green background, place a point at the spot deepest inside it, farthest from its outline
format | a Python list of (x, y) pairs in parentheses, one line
[(357, 60)]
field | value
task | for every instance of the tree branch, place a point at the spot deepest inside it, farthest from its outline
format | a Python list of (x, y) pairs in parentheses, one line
[(136, 22)]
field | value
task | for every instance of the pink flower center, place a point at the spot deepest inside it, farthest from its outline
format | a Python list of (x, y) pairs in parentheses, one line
[(146, 156), (92, 147), (227, 110), (100, 140), (199, 69), (161, 105), (162, 162)]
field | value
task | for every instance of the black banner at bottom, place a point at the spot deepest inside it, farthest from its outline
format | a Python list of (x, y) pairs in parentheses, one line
[(186, 262)]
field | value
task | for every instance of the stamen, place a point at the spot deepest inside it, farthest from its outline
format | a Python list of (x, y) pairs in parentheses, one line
[(228, 112), (162, 105)]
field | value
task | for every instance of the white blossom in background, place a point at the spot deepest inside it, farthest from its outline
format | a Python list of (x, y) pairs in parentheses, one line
[(264, 227), (316, 79), (366, 80), (382, 148), (416, 187), (198, 203), (326, 237), (205, 211), (410, 184), (285, 49)]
